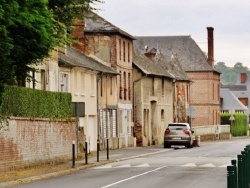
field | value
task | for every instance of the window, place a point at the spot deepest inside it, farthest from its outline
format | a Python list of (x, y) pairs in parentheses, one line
[(64, 82), (43, 80), (101, 85), (128, 52), (129, 87), (120, 93), (124, 54), (93, 85), (162, 86), (162, 114), (82, 82), (111, 84), (120, 49), (125, 88)]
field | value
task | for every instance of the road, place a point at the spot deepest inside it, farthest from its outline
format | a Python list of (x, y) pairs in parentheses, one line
[(199, 167)]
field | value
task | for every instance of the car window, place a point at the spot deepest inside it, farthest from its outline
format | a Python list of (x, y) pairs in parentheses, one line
[(177, 127)]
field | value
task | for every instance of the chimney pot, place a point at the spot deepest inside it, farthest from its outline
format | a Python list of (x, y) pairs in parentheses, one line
[(210, 40)]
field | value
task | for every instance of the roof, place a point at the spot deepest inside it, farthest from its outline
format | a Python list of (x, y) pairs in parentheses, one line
[(235, 87), (149, 67), (230, 101), (159, 66), (96, 24), (184, 48), (76, 58)]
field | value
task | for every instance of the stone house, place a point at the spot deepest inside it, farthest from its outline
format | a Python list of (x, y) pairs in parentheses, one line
[(204, 91), (159, 95), (114, 47)]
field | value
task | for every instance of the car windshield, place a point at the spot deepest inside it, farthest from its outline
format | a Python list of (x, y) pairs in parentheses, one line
[(177, 127)]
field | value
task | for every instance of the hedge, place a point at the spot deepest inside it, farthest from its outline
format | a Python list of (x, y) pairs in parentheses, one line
[(26, 102), (239, 126)]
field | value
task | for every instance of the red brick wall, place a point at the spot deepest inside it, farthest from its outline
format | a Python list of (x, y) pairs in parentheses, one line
[(205, 97), (26, 142)]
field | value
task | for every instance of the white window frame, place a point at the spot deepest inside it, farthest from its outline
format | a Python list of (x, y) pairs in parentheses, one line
[(64, 85)]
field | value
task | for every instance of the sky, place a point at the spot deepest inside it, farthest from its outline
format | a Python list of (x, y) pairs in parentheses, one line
[(229, 18)]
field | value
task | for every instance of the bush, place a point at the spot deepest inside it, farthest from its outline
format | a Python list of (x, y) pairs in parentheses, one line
[(238, 126), (26, 102)]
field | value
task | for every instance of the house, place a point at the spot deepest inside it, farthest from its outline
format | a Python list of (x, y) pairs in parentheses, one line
[(154, 94), (46, 76), (84, 78), (113, 46), (205, 86), (230, 103), (241, 91)]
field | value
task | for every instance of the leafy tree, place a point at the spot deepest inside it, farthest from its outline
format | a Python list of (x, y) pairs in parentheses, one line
[(229, 74), (30, 29)]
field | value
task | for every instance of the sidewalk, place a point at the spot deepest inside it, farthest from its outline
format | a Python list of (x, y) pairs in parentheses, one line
[(12, 178)]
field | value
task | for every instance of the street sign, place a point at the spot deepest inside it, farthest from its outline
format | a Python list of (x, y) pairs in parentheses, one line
[(231, 118), (191, 111)]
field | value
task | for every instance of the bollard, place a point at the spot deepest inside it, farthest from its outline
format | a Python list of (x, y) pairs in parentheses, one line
[(86, 152), (199, 140), (246, 165), (73, 155), (107, 149), (240, 171), (235, 179), (98, 149), (243, 153), (230, 176)]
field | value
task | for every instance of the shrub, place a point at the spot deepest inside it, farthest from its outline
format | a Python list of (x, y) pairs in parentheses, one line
[(26, 102)]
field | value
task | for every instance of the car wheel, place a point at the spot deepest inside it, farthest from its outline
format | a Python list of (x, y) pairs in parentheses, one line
[(189, 145), (167, 145)]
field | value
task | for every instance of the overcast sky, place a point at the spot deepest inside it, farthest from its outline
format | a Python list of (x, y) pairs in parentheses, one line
[(230, 19)]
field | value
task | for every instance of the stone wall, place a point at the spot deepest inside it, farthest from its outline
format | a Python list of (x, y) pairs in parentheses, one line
[(25, 142)]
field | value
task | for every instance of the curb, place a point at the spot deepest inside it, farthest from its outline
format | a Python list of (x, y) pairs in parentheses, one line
[(73, 170)]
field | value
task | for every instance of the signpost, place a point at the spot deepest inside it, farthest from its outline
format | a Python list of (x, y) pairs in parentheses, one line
[(191, 113)]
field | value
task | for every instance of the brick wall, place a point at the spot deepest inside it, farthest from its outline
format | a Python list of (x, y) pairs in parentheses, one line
[(25, 143), (205, 97)]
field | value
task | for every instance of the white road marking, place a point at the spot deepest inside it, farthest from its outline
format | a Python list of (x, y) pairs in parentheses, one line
[(103, 167), (123, 166), (208, 165), (142, 165), (190, 165), (118, 182)]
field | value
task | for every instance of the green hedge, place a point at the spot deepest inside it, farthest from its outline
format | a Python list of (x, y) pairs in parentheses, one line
[(239, 126), (26, 102)]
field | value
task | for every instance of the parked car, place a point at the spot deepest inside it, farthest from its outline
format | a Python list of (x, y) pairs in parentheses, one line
[(178, 134)]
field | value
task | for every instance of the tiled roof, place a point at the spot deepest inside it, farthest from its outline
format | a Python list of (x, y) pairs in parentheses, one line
[(76, 58), (230, 101), (96, 24), (235, 87), (184, 48), (149, 67), (159, 66)]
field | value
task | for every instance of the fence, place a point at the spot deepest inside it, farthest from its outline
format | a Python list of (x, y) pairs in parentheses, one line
[(238, 173)]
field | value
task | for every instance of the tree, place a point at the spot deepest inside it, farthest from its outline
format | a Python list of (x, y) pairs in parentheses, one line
[(229, 74), (30, 29)]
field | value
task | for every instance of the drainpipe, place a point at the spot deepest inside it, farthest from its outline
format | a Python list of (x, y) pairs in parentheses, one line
[(98, 115), (139, 79)]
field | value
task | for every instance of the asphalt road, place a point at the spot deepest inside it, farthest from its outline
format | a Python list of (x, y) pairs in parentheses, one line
[(199, 167)]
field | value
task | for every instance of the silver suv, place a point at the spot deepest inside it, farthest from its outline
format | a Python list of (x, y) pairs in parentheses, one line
[(178, 134)]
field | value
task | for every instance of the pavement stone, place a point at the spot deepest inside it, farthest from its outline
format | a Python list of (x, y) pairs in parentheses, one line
[(12, 178)]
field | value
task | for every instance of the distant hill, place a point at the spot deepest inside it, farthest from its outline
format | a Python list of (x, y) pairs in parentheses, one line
[(229, 74)]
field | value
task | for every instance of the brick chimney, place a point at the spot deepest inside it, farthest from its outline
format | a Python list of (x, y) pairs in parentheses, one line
[(210, 41), (78, 35), (243, 77)]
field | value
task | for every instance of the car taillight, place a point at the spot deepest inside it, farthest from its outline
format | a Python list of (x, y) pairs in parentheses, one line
[(167, 131), (186, 132)]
